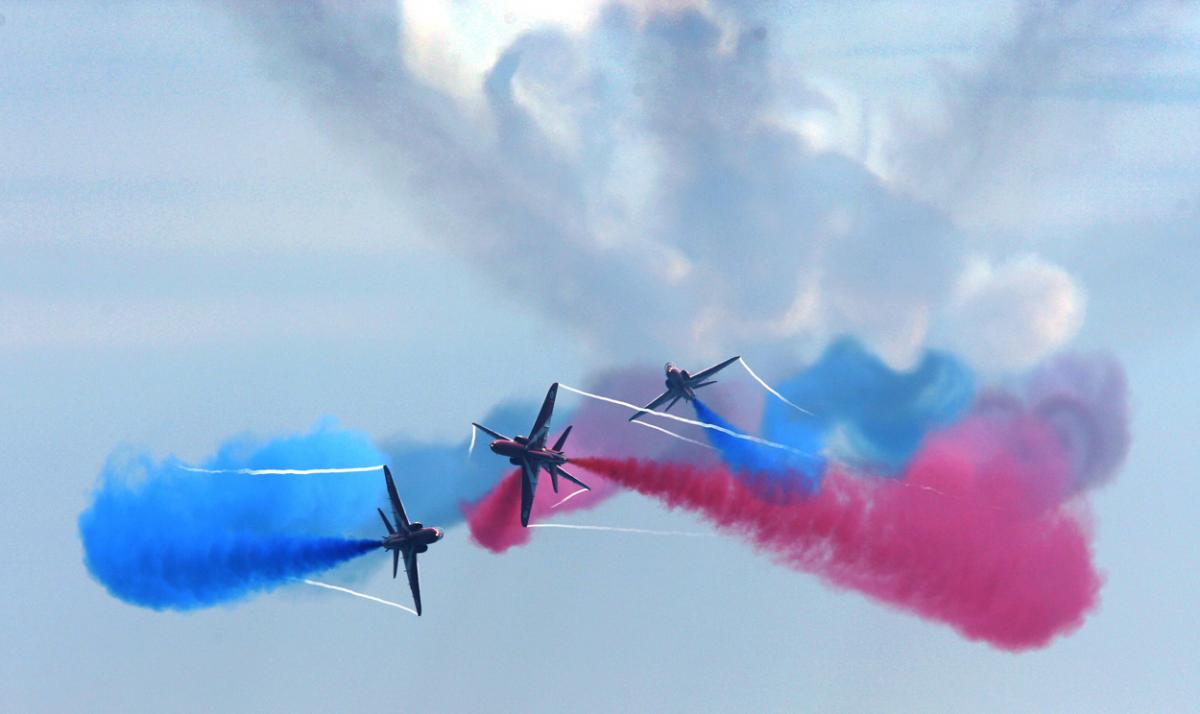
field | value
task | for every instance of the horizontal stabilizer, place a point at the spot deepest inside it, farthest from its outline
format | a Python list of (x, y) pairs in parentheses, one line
[(567, 475), (386, 523)]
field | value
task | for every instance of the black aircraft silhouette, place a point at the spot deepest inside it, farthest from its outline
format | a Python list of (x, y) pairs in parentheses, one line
[(681, 385), (407, 540), (531, 454)]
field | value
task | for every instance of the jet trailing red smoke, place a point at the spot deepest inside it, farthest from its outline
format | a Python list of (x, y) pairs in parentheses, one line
[(975, 533), (495, 520)]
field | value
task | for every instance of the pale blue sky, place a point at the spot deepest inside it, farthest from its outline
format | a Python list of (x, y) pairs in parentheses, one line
[(187, 252)]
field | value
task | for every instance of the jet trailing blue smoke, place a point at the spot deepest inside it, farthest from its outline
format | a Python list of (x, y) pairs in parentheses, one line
[(160, 536), (873, 415), (796, 472)]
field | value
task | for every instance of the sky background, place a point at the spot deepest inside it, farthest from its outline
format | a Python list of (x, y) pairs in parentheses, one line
[(207, 227)]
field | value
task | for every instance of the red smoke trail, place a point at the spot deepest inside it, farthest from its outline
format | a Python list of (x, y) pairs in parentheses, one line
[(495, 521), (994, 552), (492, 520)]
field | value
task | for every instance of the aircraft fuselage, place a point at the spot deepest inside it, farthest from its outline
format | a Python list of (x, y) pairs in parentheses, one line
[(421, 537), (516, 449), (677, 382)]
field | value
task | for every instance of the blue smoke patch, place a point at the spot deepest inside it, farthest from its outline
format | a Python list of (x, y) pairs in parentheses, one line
[(775, 470), (879, 415), (158, 536)]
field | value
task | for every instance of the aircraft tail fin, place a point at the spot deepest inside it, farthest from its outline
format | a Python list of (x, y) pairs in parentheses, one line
[(395, 562), (562, 440)]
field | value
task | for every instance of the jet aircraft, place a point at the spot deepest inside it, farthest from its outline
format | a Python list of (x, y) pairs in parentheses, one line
[(406, 539), (532, 455), (682, 385)]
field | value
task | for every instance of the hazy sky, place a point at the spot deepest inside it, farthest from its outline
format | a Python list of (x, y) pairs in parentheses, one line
[(212, 222)]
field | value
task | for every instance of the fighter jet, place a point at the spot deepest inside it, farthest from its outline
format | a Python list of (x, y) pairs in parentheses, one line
[(681, 385), (531, 454), (407, 539)]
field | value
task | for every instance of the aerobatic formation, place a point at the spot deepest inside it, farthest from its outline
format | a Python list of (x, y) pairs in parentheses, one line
[(960, 502)]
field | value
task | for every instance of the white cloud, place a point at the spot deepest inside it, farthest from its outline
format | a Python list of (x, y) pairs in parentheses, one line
[(660, 185), (1013, 315)]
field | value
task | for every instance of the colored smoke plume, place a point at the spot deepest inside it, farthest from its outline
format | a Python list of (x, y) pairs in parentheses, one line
[(973, 534), (161, 537), (774, 472), (879, 415)]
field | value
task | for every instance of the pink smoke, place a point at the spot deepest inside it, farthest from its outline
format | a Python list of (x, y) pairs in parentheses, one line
[(975, 534)]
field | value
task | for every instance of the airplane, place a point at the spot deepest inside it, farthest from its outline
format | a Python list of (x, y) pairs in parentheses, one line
[(531, 454), (407, 539), (681, 385)]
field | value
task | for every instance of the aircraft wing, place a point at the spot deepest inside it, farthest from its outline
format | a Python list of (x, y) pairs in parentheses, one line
[(701, 376), (541, 425), (489, 432), (414, 582), (658, 401), (529, 476), (394, 497)]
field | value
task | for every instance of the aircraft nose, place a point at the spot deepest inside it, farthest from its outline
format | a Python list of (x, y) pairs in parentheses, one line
[(439, 533)]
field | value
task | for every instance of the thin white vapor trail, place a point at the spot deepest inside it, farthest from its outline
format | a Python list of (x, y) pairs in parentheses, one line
[(677, 436), (693, 422), (767, 387), (571, 495), (355, 593), (471, 448), (291, 472), (645, 531)]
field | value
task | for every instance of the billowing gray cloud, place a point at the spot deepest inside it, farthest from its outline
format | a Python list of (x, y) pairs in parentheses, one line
[(630, 182)]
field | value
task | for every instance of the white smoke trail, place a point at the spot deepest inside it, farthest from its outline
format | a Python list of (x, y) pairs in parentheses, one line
[(276, 472), (471, 448), (767, 387), (693, 422), (348, 591), (573, 494), (681, 437), (644, 531)]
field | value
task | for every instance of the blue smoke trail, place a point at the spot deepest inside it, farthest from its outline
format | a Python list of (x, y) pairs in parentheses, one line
[(878, 415), (778, 472), (161, 537), (158, 536)]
